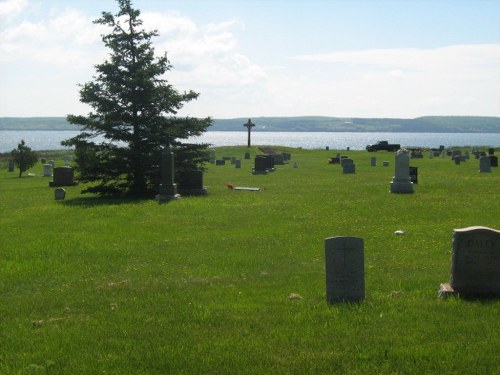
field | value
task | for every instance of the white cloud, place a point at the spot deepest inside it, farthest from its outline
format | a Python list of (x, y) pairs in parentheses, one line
[(69, 38), (12, 7)]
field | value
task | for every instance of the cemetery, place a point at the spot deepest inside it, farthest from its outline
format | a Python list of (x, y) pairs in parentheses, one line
[(343, 265)]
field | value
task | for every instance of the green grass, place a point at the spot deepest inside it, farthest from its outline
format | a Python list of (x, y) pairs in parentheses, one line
[(201, 285)]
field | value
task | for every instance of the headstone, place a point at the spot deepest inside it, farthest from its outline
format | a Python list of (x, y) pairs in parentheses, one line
[(431, 155), (457, 159), (191, 183), (344, 264), (455, 153), (494, 161), (327, 148), (491, 151), (475, 263), (260, 165), (467, 154), (401, 182), (233, 160), (414, 174), (168, 188), (53, 163), (348, 166), (220, 162), (334, 160), (373, 161), (47, 170), (63, 176), (247, 155), (270, 162), (484, 164), (11, 165), (237, 163), (295, 165), (385, 163), (345, 160), (278, 159), (59, 194), (287, 156), (212, 157)]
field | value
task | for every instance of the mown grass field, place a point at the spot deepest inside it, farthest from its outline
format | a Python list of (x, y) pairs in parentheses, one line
[(201, 285)]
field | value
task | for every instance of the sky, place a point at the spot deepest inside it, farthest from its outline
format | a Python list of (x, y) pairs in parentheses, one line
[(252, 58)]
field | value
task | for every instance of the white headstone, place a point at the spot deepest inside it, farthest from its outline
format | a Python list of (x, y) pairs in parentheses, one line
[(401, 182)]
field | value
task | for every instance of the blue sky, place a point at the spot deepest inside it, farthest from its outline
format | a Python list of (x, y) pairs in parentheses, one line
[(358, 58)]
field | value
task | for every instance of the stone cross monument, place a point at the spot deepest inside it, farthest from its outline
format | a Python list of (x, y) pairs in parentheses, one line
[(249, 125)]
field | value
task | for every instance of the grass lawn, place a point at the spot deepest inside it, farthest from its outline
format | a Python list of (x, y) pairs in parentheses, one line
[(201, 285)]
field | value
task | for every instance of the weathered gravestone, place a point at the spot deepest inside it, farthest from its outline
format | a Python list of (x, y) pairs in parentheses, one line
[(414, 174), (63, 176), (220, 162), (484, 164), (475, 263), (344, 265), (59, 194), (348, 166), (47, 170), (278, 159), (373, 161), (457, 159), (494, 161), (270, 163), (260, 165), (247, 155), (191, 183), (237, 163), (401, 182), (168, 188)]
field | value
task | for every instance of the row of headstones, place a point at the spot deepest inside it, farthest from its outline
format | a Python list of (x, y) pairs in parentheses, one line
[(264, 164), (47, 166), (475, 265), (404, 176)]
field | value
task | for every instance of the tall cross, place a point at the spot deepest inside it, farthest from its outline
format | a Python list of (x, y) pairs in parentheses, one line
[(249, 125)]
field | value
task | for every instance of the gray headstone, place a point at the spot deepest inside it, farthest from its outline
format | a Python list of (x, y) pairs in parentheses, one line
[(220, 162), (373, 161), (345, 274), (11, 165), (212, 156), (401, 182), (237, 163), (494, 161), (385, 163), (484, 164), (59, 194), (168, 188), (247, 155), (47, 170), (475, 262), (348, 168)]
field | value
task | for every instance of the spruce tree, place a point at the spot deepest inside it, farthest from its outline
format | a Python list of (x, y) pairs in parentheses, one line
[(133, 114), (24, 158)]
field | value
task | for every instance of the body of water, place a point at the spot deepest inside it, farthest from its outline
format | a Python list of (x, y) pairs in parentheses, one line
[(51, 140)]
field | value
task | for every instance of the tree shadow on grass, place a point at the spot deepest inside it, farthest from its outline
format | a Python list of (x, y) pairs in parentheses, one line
[(88, 202)]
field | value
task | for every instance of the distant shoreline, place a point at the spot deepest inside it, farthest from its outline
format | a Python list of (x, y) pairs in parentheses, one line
[(428, 124)]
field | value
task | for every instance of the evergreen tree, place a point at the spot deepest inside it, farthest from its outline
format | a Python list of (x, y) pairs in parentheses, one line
[(134, 110), (23, 157)]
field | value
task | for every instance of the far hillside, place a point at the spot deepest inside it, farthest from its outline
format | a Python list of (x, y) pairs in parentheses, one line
[(428, 124)]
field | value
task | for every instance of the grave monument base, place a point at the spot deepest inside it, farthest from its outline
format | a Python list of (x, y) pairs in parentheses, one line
[(401, 187)]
